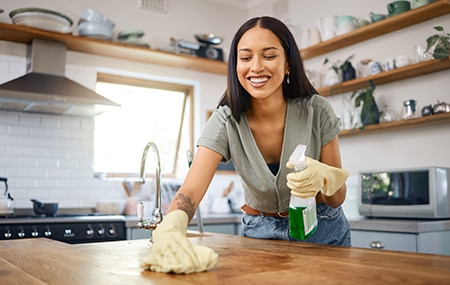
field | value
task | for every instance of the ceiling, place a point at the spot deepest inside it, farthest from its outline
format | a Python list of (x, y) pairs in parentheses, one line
[(242, 4)]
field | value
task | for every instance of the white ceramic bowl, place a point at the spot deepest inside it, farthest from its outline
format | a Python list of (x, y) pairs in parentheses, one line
[(115, 207), (95, 30), (90, 15)]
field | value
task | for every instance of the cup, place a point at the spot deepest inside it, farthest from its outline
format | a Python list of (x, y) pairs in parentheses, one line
[(401, 61), (374, 17), (389, 64), (397, 7), (313, 36), (375, 67), (344, 24), (419, 3)]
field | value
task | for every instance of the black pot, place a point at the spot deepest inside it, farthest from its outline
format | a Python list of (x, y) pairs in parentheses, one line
[(44, 209)]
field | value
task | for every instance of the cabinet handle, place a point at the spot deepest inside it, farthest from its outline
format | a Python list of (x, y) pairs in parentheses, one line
[(376, 244)]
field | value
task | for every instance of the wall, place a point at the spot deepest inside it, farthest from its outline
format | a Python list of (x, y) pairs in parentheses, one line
[(49, 157)]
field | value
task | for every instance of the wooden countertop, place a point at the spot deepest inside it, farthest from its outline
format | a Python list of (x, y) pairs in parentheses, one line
[(241, 260)]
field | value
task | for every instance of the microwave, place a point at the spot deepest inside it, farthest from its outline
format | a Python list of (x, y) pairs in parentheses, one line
[(422, 193)]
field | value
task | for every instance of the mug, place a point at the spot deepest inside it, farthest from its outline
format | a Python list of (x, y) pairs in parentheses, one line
[(389, 64), (398, 7), (327, 27), (313, 36), (344, 24), (376, 17), (419, 3), (401, 60), (375, 67)]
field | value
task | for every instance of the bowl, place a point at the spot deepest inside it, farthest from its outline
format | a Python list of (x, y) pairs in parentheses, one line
[(42, 19), (98, 30), (90, 15), (110, 207)]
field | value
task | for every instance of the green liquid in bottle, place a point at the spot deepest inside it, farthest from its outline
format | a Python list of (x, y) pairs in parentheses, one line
[(302, 222)]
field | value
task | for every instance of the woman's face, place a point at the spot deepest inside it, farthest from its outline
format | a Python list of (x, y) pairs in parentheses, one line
[(261, 63)]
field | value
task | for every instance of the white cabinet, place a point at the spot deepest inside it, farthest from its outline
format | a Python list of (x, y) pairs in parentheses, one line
[(428, 242)]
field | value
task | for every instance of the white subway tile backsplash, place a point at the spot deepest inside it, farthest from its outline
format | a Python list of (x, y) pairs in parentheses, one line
[(17, 130), (40, 131)]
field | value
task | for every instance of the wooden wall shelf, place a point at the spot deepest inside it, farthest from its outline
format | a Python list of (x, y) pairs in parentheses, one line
[(23, 34), (384, 77), (435, 119), (403, 20)]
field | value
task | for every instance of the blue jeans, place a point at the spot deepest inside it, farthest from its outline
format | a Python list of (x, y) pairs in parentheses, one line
[(332, 228)]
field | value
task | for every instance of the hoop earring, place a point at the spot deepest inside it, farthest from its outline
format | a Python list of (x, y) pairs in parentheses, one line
[(288, 80)]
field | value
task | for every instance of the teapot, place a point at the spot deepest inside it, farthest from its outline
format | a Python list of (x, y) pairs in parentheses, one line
[(441, 107), (327, 27), (6, 201)]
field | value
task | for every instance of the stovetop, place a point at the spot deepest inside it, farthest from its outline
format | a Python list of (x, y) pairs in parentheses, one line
[(59, 218)]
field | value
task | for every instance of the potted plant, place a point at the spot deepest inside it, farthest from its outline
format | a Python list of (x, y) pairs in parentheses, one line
[(343, 69), (440, 43), (370, 114)]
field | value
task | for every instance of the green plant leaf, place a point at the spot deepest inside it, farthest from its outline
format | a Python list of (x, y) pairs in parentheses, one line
[(439, 28)]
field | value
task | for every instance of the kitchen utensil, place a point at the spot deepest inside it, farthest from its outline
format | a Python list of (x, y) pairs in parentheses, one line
[(402, 61), (90, 15), (419, 3), (389, 64), (210, 39), (327, 27), (359, 23), (98, 30), (344, 24), (397, 7), (42, 19), (375, 17), (427, 110), (375, 67), (126, 188), (409, 109), (313, 36), (441, 107), (44, 209), (6, 201)]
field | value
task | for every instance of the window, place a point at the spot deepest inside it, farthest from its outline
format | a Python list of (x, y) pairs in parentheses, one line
[(150, 111)]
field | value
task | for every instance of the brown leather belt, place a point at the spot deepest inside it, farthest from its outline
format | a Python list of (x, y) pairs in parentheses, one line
[(246, 209)]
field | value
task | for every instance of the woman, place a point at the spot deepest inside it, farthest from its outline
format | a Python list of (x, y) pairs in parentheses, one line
[(269, 108)]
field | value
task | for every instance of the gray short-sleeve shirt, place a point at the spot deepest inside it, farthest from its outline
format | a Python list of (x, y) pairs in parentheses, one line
[(311, 122)]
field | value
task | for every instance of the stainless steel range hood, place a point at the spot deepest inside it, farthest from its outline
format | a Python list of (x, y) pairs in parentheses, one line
[(45, 89)]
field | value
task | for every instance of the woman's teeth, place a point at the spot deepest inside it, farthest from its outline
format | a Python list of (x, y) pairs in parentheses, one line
[(258, 79)]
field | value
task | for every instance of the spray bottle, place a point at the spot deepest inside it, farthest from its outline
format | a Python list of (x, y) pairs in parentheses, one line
[(302, 211)]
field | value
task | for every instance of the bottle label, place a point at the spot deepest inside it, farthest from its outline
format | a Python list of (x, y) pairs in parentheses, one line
[(302, 222)]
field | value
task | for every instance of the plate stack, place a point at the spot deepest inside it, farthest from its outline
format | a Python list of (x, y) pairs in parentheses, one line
[(42, 19), (94, 25)]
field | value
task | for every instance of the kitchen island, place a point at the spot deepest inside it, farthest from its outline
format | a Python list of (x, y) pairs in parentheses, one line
[(241, 260)]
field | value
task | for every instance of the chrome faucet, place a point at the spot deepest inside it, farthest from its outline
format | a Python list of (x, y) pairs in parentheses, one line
[(157, 213)]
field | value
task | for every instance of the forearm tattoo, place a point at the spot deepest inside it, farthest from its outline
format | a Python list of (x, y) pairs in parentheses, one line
[(185, 203)]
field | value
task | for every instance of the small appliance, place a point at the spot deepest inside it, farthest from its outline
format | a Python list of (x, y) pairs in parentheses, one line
[(204, 48), (421, 193)]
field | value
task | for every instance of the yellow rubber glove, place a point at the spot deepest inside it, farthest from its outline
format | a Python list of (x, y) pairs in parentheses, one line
[(315, 177), (172, 252)]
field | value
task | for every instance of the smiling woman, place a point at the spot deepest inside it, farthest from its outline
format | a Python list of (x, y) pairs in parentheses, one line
[(150, 111)]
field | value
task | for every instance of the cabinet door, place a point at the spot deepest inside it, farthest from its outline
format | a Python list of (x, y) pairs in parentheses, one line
[(434, 242), (384, 240)]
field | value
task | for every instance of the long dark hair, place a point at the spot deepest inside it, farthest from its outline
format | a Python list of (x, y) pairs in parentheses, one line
[(236, 97)]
